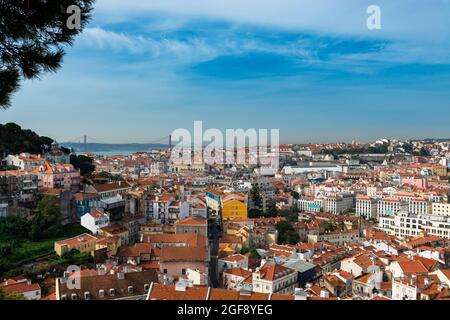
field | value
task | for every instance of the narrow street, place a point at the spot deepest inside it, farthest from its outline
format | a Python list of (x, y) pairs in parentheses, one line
[(214, 235)]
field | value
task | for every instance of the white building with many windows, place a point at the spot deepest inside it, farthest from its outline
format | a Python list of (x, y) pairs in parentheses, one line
[(404, 224), (440, 209), (388, 207), (338, 203), (419, 206), (366, 207), (404, 289), (311, 204), (273, 278)]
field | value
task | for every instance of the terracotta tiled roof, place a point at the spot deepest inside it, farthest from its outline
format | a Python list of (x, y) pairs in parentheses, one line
[(412, 266), (238, 272), (93, 285), (173, 254), (96, 214), (423, 240), (111, 186), (82, 238), (20, 288), (82, 196), (134, 251), (234, 258), (192, 221), (230, 239), (188, 239), (114, 229), (271, 272), (168, 292)]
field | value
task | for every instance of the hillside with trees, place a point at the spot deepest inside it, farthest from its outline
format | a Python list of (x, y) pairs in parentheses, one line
[(15, 140)]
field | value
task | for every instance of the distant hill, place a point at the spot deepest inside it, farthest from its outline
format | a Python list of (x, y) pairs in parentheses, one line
[(103, 147), (15, 140), (430, 140)]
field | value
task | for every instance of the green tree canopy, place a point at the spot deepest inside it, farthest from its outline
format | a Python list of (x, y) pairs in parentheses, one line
[(256, 196), (33, 35), (287, 233), (84, 163), (49, 212), (271, 210), (15, 140), (107, 175)]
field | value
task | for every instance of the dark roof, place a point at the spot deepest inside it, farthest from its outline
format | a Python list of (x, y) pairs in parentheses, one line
[(111, 186), (93, 284)]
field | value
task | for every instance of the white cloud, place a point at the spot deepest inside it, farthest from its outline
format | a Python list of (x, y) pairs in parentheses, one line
[(103, 39), (194, 48), (401, 19)]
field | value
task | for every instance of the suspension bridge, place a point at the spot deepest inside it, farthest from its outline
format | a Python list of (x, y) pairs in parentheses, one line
[(85, 141)]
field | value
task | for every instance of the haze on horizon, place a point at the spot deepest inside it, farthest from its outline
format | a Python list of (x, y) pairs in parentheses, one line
[(309, 68)]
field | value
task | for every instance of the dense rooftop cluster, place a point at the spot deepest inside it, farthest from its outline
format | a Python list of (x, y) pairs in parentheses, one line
[(330, 223)]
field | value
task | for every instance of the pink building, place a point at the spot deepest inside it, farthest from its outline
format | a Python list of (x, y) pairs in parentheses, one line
[(418, 182), (58, 176), (175, 261)]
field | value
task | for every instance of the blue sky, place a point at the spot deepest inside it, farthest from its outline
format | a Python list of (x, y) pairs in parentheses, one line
[(309, 68)]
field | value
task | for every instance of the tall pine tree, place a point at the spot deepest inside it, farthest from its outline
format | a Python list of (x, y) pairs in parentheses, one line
[(33, 34)]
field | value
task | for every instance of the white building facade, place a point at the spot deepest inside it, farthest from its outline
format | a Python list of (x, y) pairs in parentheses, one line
[(366, 207), (95, 220), (404, 224)]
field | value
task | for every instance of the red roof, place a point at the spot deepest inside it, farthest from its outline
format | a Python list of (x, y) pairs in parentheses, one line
[(172, 254), (20, 288), (192, 221), (271, 272)]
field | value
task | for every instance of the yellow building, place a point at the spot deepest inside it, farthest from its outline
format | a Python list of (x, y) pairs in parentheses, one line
[(234, 208), (110, 243), (83, 243)]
